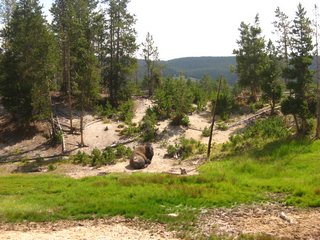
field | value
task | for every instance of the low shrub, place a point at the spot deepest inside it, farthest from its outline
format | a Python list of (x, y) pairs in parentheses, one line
[(105, 110), (206, 132), (180, 120), (125, 111), (148, 126), (130, 131), (99, 158), (57, 138), (222, 126), (186, 148)]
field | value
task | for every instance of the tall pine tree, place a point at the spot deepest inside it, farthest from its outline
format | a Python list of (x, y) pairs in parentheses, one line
[(86, 64), (301, 102), (120, 46), (151, 58), (63, 24), (282, 29), (250, 57)]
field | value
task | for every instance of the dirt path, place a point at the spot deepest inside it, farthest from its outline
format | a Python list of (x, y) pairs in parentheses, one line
[(269, 219), (110, 229)]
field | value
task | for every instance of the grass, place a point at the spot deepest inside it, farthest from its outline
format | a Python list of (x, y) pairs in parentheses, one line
[(289, 167)]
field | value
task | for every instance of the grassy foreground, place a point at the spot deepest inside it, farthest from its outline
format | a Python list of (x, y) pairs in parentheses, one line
[(291, 168)]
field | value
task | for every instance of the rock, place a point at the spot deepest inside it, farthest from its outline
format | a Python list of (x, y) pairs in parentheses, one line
[(173, 215)]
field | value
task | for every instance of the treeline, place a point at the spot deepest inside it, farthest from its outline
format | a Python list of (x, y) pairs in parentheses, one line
[(89, 51), (269, 68)]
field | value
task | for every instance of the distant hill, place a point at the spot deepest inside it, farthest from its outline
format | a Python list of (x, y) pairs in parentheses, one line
[(196, 67)]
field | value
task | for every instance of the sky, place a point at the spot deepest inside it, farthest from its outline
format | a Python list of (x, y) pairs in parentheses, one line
[(192, 28)]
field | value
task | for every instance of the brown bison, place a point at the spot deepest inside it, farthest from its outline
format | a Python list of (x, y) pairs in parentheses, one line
[(142, 156)]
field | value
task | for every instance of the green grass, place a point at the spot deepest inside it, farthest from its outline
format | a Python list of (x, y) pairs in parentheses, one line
[(291, 168)]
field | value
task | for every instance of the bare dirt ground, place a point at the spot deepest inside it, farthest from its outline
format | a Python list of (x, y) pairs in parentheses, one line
[(274, 220), (106, 229)]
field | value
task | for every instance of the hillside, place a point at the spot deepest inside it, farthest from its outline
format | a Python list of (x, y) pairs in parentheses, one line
[(196, 67)]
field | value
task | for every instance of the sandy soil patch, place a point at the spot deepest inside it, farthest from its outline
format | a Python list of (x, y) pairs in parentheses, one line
[(270, 219), (109, 229)]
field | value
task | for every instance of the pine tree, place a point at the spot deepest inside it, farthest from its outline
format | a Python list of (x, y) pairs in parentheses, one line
[(77, 27), (300, 77), (86, 64), (282, 28), (120, 46), (272, 85), (63, 17), (28, 63), (151, 58), (250, 57), (316, 26)]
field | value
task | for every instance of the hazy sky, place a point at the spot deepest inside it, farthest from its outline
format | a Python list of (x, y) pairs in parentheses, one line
[(184, 28)]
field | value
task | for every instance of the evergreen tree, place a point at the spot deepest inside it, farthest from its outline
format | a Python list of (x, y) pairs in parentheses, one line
[(120, 49), (300, 77), (271, 85), (28, 63), (86, 64), (282, 28), (250, 57), (63, 17), (151, 57), (316, 26)]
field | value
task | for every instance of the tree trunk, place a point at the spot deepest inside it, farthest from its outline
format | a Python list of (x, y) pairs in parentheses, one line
[(296, 122), (254, 94), (213, 119), (68, 76), (317, 136), (273, 104), (81, 126)]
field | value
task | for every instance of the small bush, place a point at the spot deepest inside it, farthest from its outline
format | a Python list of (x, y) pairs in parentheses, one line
[(105, 110), (126, 111), (51, 167), (186, 148), (222, 126), (172, 150), (57, 138), (206, 132), (81, 158), (122, 151), (99, 158), (148, 126), (185, 121), (180, 120), (129, 131)]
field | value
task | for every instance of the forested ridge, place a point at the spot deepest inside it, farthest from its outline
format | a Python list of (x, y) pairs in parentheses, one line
[(196, 67)]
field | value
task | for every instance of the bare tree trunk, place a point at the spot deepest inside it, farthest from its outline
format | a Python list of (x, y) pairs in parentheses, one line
[(213, 119), (63, 145), (81, 126), (296, 122), (69, 83)]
